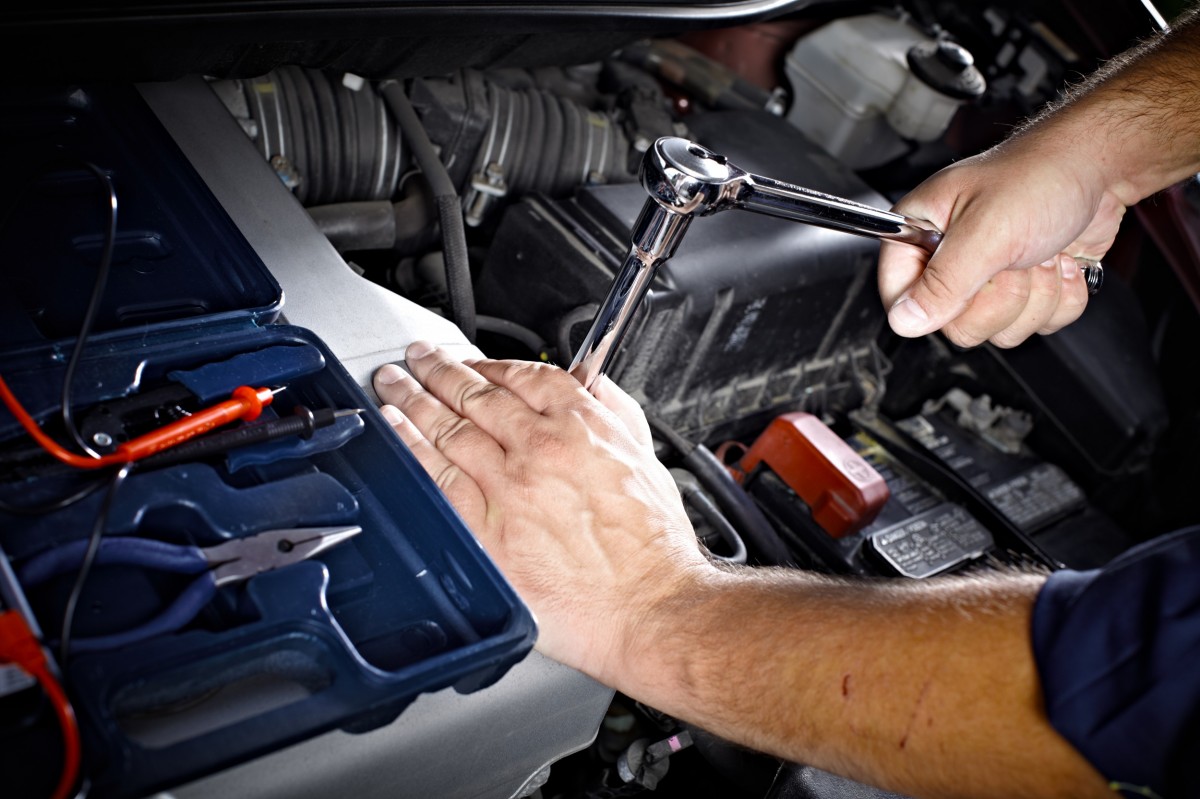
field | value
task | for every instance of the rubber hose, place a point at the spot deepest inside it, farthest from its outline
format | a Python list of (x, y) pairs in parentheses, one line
[(294, 129), (454, 237), (357, 226), (313, 186), (737, 506), (544, 178), (458, 267), (404, 225), (509, 328), (746, 517), (573, 145), (693, 494), (331, 138), (352, 143), (709, 510)]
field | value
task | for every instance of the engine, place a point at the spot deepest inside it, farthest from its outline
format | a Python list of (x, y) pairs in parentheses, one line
[(801, 432)]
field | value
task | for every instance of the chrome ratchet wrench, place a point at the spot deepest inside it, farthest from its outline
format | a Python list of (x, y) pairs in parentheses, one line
[(686, 180)]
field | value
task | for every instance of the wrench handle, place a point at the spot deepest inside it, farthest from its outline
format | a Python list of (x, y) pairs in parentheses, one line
[(777, 198)]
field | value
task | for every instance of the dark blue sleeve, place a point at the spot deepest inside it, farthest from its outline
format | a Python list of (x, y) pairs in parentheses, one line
[(1118, 653)]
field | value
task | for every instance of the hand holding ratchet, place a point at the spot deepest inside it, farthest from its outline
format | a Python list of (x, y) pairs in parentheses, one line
[(685, 180)]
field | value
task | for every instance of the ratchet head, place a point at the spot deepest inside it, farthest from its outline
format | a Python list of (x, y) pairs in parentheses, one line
[(683, 177)]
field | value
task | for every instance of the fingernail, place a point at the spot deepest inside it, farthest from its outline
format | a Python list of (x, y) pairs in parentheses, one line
[(418, 349), (392, 414), (389, 373), (907, 318), (1050, 263), (1070, 269)]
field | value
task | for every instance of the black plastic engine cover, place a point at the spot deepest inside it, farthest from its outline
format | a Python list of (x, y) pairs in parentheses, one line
[(752, 315), (1096, 383)]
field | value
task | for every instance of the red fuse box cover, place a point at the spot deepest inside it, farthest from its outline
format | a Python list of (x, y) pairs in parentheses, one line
[(844, 492)]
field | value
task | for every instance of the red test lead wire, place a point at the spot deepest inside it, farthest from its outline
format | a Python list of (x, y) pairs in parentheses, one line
[(18, 645), (245, 404), (49, 444)]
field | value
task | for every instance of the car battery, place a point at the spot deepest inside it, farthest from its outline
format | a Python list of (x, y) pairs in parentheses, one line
[(1038, 498), (346, 639), (916, 533)]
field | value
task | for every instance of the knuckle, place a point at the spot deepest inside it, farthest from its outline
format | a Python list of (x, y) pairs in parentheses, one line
[(439, 373), (484, 395), (939, 286), (1074, 301), (524, 370), (960, 335), (446, 477), (1015, 285), (510, 370), (448, 431), (1046, 289), (1007, 339)]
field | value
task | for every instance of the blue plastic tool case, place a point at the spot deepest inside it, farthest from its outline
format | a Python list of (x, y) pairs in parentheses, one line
[(345, 640)]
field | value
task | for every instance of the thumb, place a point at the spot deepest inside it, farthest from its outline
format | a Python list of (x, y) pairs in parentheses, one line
[(942, 291)]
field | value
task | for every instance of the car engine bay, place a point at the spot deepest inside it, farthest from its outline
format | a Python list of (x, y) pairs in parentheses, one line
[(801, 431)]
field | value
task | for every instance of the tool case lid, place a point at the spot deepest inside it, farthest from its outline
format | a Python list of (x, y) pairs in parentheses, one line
[(177, 256)]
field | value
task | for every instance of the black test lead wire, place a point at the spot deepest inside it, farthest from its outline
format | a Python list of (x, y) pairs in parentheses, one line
[(89, 558), (56, 505), (93, 307)]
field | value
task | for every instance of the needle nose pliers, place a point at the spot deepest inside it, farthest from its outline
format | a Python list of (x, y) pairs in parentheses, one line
[(230, 562)]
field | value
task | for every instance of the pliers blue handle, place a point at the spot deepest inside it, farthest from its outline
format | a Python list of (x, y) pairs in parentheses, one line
[(232, 561)]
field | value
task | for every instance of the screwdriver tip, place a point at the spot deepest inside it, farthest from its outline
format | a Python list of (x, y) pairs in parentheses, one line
[(340, 414)]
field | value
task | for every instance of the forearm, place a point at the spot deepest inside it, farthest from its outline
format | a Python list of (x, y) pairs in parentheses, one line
[(1136, 120), (925, 688)]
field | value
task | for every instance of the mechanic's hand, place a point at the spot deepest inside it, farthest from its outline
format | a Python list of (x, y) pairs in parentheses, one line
[(563, 491), (1015, 218)]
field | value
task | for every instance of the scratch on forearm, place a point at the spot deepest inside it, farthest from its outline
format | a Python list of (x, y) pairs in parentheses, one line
[(854, 729), (916, 710)]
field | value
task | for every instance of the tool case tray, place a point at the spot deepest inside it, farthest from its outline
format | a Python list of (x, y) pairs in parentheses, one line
[(344, 640)]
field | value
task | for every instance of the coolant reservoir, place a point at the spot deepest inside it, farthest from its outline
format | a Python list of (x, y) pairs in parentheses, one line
[(862, 87)]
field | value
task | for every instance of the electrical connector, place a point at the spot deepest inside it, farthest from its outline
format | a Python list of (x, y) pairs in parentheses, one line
[(20, 647), (18, 644)]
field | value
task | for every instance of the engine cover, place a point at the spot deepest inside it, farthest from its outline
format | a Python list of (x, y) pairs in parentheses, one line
[(753, 314)]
